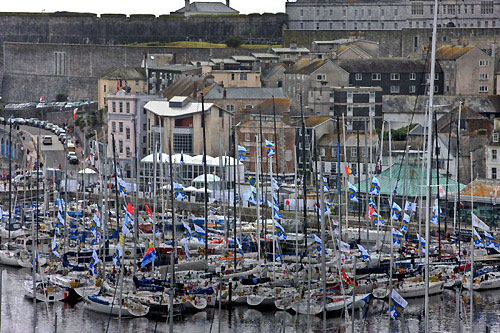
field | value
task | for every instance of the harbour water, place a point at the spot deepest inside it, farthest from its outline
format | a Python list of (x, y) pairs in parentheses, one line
[(17, 316)]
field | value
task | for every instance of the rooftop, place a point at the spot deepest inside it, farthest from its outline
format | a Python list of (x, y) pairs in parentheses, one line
[(250, 93), (159, 60), (162, 107), (127, 73), (290, 50), (449, 52), (208, 8), (383, 65), (306, 66)]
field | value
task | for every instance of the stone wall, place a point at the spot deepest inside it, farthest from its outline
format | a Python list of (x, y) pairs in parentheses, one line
[(29, 68)]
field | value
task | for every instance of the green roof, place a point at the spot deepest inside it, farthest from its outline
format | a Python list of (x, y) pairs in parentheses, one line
[(410, 183)]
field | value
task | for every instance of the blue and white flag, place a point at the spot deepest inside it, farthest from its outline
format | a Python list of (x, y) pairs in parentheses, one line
[(423, 243), (435, 213), (396, 211), (372, 204), (54, 247), (60, 203), (377, 219), (184, 242), (182, 157), (238, 243), (188, 230), (318, 243), (343, 246), (364, 253), (490, 241), (277, 215), (397, 305), (271, 148), (353, 191), (93, 263), (406, 221), (375, 186), (96, 220), (396, 237), (200, 233), (179, 196), (242, 153), (274, 184), (280, 232), (410, 206), (476, 222), (273, 206), (122, 186), (477, 238)]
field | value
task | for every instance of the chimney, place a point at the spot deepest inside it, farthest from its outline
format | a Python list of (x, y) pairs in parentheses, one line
[(224, 93), (227, 3), (186, 6)]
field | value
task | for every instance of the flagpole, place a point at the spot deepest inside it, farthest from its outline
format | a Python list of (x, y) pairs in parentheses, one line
[(174, 249), (117, 205), (270, 159), (235, 166), (471, 280), (137, 186), (347, 179), (205, 199), (304, 172), (323, 245), (339, 179), (378, 199), (429, 154), (257, 196), (457, 178), (438, 212), (359, 185), (390, 217)]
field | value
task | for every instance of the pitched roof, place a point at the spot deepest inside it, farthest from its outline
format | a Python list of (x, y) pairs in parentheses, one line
[(448, 52), (409, 185), (384, 65), (281, 106), (184, 86), (305, 66), (217, 92), (290, 50), (126, 73), (466, 115), (159, 60), (208, 8)]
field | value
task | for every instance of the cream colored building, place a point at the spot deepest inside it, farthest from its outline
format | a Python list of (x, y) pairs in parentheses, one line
[(180, 121), (237, 78), (130, 79)]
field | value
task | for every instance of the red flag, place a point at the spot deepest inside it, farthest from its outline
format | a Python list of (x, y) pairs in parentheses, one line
[(371, 210), (344, 276), (74, 113), (130, 208), (150, 214), (348, 171), (117, 85)]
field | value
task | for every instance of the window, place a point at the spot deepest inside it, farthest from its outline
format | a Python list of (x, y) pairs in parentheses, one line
[(230, 107), (247, 137), (127, 107), (483, 76), (350, 110), (494, 154), (494, 173), (144, 127), (120, 127), (243, 76), (120, 107), (331, 11), (484, 63), (350, 96), (369, 12), (372, 111), (486, 7), (382, 12), (412, 89), (249, 106), (413, 76), (183, 143), (372, 96), (417, 8), (483, 89), (120, 146), (127, 132), (495, 136), (394, 89), (136, 82), (113, 127), (321, 77), (436, 88), (354, 152), (376, 76), (331, 25), (301, 12), (344, 12), (317, 11), (343, 25), (395, 76), (396, 11), (127, 151), (301, 25), (382, 25), (355, 12), (358, 77), (113, 106), (354, 167), (60, 63), (104, 88)]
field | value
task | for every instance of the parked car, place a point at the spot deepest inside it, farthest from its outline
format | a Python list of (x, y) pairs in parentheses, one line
[(47, 140)]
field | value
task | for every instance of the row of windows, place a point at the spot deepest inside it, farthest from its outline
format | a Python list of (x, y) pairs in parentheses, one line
[(417, 8), (120, 107), (120, 129), (243, 76), (394, 76), (395, 25)]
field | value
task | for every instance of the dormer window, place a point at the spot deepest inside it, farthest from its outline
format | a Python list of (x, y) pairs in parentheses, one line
[(495, 136)]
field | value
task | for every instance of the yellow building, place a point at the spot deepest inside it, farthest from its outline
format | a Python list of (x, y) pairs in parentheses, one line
[(130, 79), (237, 78)]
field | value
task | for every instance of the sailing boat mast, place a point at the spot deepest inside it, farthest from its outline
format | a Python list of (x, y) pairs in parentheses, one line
[(429, 154), (10, 179), (205, 199), (174, 250), (304, 171)]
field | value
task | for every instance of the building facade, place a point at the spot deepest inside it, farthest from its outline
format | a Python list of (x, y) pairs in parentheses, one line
[(179, 120), (126, 121), (390, 14), (130, 79)]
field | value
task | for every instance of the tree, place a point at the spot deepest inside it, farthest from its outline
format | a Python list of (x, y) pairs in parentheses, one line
[(233, 42), (61, 98)]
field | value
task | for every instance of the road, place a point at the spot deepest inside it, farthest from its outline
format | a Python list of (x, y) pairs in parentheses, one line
[(54, 154)]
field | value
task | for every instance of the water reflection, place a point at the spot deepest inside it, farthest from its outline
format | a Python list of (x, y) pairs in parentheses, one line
[(17, 316)]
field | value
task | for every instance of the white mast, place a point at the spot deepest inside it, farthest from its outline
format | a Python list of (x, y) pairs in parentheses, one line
[(429, 152)]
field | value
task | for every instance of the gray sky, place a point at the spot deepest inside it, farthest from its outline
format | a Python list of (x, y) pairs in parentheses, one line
[(132, 6)]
